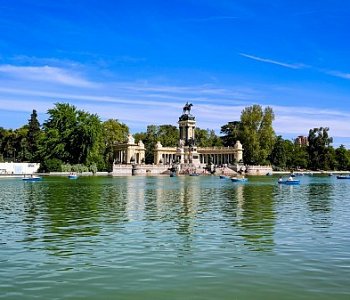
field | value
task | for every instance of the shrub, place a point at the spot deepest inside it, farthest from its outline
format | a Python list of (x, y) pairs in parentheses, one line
[(51, 165)]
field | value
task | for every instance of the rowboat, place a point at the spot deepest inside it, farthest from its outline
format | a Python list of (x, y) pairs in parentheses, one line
[(289, 182), (32, 178), (235, 179), (343, 177), (72, 176)]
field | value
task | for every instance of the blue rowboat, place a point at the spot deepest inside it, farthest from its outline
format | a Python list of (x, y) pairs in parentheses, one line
[(289, 182), (72, 176), (239, 179), (32, 178), (343, 177)]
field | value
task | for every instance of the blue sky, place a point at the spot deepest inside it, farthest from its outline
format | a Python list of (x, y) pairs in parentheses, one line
[(140, 61)]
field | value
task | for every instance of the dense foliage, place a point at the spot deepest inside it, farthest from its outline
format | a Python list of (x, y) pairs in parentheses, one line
[(69, 139), (207, 138), (113, 132), (319, 148), (261, 146), (75, 140), (254, 131)]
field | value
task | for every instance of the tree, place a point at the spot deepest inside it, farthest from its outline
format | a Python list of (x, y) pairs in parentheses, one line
[(20, 143), (299, 158), (214, 140), (8, 144), (331, 161), (33, 136), (149, 138), (278, 156), (59, 139), (72, 136), (113, 132), (167, 135), (207, 138), (318, 149), (2, 138), (256, 134), (342, 158), (266, 134), (231, 131)]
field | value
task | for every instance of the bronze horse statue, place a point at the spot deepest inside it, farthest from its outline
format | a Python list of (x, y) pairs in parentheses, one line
[(187, 107)]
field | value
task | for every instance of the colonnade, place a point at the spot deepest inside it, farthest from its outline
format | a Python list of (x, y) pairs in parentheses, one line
[(120, 157), (217, 159), (127, 156), (168, 159)]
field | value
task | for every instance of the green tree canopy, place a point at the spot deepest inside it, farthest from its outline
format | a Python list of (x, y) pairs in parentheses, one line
[(318, 149), (278, 156), (207, 138), (33, 136), (231, 131), (113, 132), (72, 136), (342, 157), (254, 131)]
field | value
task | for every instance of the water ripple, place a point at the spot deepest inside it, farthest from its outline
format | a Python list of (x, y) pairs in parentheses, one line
[(174, 238)]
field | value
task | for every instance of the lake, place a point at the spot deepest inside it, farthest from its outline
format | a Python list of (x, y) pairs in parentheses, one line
[(174, 238)]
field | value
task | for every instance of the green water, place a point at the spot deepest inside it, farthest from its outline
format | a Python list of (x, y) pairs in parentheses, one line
[(174, 238)]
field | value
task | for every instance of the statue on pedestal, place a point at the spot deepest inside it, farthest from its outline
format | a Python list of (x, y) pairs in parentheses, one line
[(187, 108)]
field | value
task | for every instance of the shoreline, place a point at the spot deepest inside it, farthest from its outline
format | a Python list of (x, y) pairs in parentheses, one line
[(61, 174)]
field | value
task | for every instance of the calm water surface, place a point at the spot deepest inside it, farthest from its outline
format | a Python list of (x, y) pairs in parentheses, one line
[(174, 238)]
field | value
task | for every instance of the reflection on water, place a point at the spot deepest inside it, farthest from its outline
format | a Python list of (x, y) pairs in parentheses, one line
[(258, 217), (320, 196), (198, 237)]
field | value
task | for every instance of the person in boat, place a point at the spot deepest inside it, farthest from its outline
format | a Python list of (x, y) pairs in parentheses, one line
[(290, 178), (280, 179)]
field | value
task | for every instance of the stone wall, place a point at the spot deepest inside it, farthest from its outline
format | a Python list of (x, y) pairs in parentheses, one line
[(258, 170), (125, 170), (122, 170)]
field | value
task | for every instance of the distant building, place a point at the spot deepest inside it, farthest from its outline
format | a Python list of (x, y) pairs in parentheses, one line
[(15, 168), (301, 140)]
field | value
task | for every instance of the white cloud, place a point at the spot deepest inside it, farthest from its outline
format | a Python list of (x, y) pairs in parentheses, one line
[(138, 104), (45, 74), (338, 74)]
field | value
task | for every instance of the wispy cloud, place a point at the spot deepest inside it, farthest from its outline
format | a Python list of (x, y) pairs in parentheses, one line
[(46, 74), (334, 73), (337, 74), (275, 62), (141, 103)]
